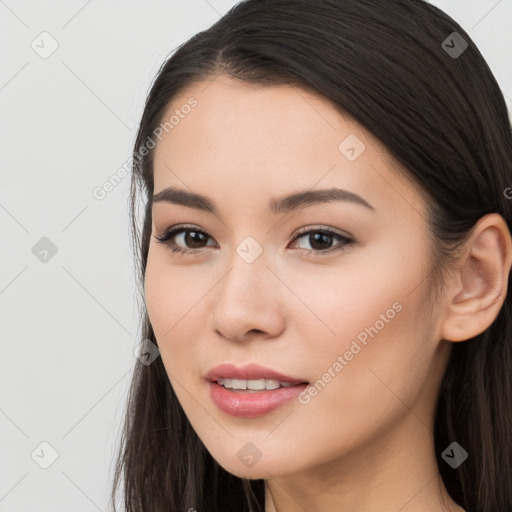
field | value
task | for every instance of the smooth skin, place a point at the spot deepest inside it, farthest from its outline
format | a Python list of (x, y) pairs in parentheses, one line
[(365, 441)]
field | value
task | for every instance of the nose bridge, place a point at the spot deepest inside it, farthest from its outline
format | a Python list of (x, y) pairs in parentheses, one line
[(246, 281), (246, 298)]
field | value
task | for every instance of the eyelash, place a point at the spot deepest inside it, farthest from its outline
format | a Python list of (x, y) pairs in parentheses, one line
[(167, 236)]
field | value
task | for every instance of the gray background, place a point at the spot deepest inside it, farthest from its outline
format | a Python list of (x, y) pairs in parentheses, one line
[(70, 320)]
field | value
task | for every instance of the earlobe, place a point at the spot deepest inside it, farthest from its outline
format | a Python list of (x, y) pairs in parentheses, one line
[(480, 284)]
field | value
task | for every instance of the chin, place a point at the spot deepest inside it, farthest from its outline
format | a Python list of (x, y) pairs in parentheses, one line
[(261, 469)]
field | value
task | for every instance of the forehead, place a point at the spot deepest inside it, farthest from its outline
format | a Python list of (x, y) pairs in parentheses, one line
[(252, 119), (271, 140)]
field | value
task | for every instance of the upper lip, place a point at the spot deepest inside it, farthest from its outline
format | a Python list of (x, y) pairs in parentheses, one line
[(248, 372)]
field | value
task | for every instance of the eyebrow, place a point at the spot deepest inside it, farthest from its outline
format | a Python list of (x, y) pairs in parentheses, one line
[(283, 204)]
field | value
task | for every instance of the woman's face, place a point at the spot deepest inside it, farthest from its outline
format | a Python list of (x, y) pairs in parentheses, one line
[(343, 307)]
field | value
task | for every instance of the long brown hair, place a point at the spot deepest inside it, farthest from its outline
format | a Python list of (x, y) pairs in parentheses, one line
[(443, 117)]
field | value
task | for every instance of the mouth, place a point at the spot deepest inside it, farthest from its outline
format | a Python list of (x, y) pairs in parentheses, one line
[(253, 403), (251, 391)]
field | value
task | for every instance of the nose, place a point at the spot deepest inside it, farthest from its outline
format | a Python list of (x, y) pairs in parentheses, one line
[(248, 302)]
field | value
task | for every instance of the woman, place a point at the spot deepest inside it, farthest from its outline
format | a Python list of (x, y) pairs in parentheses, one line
[(325, 259)]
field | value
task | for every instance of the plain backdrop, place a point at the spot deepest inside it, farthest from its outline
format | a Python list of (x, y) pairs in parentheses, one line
[(73, 80)]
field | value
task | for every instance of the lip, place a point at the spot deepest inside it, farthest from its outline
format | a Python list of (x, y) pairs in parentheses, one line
[(249, 372), (255, 404), (252, 405)]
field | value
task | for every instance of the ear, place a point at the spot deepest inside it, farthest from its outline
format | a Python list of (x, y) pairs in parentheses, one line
[(478, 290)]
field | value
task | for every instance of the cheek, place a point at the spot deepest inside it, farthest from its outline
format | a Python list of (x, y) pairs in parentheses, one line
[(373, 324), (173, 298), (169, 295), (370, 314), (159, 291), (334, 304)]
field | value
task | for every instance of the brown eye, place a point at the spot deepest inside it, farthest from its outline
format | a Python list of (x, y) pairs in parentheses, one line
[(192, 238), (321, 241), (188, 240)]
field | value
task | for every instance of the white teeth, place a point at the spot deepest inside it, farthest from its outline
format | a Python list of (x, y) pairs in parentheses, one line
[(238, 384), (253, 385)]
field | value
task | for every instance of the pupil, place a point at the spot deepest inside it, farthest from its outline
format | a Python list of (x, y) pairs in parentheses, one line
[(192, 236), (314, 238)]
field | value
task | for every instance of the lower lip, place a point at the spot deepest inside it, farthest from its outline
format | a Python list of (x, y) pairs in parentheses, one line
[(252, 405)]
